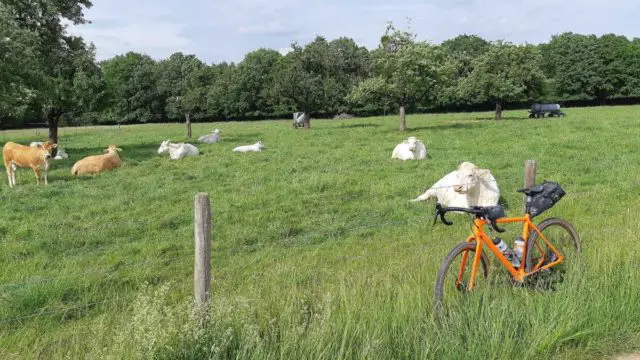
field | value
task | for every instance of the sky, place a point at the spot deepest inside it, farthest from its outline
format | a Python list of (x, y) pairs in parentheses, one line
[(226, 30)]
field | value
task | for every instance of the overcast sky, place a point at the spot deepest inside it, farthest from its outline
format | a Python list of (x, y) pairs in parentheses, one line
[(225, 30)]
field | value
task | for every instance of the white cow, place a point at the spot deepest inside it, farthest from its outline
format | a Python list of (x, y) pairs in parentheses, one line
[(410, 149), (257, 147), (466, 187), (212, 138), (60, 154), (177, 151)]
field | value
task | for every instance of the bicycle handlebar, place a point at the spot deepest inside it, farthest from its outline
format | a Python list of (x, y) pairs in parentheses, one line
[(478, 211)]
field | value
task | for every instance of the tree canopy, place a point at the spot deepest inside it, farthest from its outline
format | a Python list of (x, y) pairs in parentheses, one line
[(48, 75)]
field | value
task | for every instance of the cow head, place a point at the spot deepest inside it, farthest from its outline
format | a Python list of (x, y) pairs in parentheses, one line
[(49, 149), (412, 141), (216, 131), (468, 177), (260, 145), (164, 147), (112, 149)]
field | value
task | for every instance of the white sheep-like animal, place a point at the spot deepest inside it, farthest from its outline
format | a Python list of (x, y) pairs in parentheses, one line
[(466, 187), (212, 138), (98, 163), (257, 147), (177, 151), (410, 149), (60, 154)]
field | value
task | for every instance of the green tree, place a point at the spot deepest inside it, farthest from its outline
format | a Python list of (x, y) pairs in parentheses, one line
[(575, 64), (180, 83), (505, 73), (405, 72), (132, 89), (56, 51), (19, 67), (255, 76), (298, 81), (462, 51), (223, 95)]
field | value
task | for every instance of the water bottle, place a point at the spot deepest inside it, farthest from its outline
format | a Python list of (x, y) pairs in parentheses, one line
[(501, 245), (518, 248), (508, 253)]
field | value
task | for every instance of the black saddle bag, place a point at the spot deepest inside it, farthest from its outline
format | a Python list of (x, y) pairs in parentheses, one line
[(545, 200)]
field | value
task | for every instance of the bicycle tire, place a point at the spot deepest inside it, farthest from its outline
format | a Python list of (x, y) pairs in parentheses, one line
[(569, 230), (446, 263)]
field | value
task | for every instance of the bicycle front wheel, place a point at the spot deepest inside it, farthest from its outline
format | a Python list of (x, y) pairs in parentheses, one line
[(454, 276), (562, 236)]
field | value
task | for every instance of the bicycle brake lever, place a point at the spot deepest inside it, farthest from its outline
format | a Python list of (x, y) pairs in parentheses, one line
[(495, 227)]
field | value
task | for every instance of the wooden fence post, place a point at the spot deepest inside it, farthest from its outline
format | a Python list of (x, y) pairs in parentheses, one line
[(202, 267), (529, 176)]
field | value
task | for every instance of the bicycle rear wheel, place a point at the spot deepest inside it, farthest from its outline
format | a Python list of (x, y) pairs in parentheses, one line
[(563, 237), (454, 275)]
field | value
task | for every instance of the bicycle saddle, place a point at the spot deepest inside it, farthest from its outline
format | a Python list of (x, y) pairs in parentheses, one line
[(531, 191)]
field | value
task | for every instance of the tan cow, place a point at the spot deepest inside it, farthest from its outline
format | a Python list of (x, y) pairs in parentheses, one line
[(37, 157), (98, 163)]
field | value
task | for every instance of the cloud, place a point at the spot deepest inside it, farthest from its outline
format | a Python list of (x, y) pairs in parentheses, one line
[(271, 28), (225, 30), (157, 39)]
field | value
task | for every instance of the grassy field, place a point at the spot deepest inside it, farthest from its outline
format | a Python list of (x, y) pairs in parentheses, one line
[(317, 252)]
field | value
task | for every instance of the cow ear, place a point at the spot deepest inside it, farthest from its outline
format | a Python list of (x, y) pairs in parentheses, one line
[(483, 172), (54, 145)]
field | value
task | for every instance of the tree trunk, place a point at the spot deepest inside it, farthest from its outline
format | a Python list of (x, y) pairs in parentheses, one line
[(188, 116), (403, 119), (498, 111), (306, 123), (53, 127)]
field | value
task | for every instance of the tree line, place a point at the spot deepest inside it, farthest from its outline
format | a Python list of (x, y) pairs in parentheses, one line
[(50, 76)]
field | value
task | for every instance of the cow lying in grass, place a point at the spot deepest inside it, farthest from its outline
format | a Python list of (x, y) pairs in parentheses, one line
[(466, 187), (212, 138), (257, 147), (98, 163), (177, 151), (36, 158), (410, 149)]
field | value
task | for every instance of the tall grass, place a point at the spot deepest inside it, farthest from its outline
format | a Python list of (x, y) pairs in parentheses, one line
[(317, 253)]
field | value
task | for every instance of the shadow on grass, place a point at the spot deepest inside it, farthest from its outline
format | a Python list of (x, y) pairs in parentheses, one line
[(137, 152), (465, 125), (503, 118), (354, 126)]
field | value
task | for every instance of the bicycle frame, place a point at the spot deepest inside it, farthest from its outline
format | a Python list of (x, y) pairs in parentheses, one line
[(481, 239)]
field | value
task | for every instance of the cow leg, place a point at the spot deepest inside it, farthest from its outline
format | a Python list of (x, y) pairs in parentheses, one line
[(46, 182), (9, 168), (37, 172)]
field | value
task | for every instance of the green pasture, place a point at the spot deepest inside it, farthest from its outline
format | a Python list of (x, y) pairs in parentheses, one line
[(317, 253)]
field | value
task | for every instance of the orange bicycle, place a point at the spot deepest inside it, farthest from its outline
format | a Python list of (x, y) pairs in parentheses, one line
[(543, 248)]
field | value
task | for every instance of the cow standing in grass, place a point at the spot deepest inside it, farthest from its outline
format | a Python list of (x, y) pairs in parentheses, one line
[(36, 157)]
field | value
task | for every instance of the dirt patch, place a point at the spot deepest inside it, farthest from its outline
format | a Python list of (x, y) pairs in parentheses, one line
[(635, 356)]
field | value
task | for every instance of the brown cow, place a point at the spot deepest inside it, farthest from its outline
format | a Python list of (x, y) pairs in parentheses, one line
[(16, 155), (98, 163)]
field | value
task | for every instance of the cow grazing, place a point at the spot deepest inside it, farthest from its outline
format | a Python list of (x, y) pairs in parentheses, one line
[(466, 187), (98, 163), (36, 158)]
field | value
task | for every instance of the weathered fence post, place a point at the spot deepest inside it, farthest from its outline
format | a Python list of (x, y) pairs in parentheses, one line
[(202, 267), (529, 176)]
